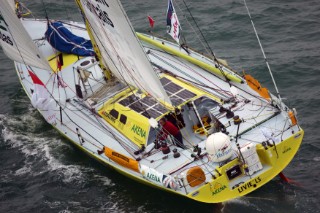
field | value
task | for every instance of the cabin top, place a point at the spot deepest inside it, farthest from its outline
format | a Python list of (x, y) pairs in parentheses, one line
[(129, 111)]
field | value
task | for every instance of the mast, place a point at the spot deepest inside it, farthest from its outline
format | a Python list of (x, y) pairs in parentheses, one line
[(118, 47), (106, 70)]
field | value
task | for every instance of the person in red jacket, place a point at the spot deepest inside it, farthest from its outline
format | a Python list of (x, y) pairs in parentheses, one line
[(170, 128)]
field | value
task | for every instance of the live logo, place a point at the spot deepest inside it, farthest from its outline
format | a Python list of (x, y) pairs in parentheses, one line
[(252, 183)]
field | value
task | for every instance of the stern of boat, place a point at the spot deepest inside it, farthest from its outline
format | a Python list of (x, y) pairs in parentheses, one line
[(274, 160)]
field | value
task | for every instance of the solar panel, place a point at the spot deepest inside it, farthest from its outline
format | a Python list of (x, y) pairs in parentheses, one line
[(176, 100), (153, 113), (138, 107), (164, 81), (149, 107), (128, 100), (186, 94), (149, 101), (172, 87), (160, 108)]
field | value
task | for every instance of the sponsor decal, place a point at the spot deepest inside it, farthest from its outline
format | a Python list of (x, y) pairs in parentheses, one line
[(139, 131), (118, 155), (250, 184), (153, 177), (101, 14), (286, 149), (218, 187), (3, 27), (110, 117), (223, 152)]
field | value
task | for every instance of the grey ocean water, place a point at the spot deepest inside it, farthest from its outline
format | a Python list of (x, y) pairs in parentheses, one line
[(41, 172)]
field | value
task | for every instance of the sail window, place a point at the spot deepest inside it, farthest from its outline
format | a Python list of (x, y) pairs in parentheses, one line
[(114, 113)]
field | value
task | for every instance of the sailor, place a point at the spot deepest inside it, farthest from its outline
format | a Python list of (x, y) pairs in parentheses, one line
[(169, 128)]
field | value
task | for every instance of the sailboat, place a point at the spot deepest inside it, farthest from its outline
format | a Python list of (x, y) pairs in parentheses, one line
[(153, 110)]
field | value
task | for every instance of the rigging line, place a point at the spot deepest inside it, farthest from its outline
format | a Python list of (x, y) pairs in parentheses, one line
[(218, 65), (81, 136), (243, 90), (72, 25), (104, 127), (188, 150), (263, 53), (174, 67), (162, 130), (256, 124), (133, 31), (51, 95), (122, 143), (109, 131), (182, 64), (195, 33), (45, 10), (19, 49), (119, 58), (67, 11), (285, 124), (246, 119)]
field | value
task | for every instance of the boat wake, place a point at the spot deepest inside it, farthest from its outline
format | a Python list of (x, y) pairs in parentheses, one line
[(42, 151)]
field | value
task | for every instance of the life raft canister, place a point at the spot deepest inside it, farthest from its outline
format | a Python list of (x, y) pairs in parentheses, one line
[(195, 176), (122, 159)]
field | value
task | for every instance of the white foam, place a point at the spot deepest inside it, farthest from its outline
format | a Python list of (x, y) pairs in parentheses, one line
[(65, 211), (37, 147), (316, 159), (24, 170), (242, 201), (105, 180)]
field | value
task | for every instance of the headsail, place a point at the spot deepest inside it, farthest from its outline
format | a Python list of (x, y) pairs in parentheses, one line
[(16, 42), (120, 49)]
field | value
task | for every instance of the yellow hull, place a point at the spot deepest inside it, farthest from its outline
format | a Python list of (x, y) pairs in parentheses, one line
[(195, 61), (214, 191), (217, 190)]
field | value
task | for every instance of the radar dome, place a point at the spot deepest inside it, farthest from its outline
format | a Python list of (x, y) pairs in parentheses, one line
[(219, 147)]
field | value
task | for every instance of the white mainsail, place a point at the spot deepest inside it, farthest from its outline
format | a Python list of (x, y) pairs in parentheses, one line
[(16, 42), (12, 4), (120, 49)]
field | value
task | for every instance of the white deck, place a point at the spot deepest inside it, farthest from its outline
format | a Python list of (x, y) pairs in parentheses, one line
[(97, 133)]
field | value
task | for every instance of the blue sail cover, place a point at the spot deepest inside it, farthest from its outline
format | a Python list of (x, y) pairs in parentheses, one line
[(66, 42)]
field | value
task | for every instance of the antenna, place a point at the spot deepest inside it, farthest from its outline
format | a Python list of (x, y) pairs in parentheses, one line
[(264, 55)]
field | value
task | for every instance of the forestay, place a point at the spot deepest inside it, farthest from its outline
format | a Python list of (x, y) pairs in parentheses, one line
[(16, 42), (120, 49)]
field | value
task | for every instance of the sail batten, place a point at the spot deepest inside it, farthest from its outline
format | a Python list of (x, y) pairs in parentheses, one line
[(16, 42), (119, 46)]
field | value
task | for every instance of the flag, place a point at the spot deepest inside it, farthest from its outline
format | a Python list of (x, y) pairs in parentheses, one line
[(41, 99), (59, 65), (151, 21), (173, 22)]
